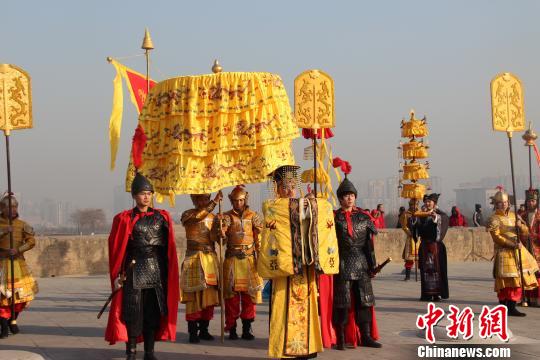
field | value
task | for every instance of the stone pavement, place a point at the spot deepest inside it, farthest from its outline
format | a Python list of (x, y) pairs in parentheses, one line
[(61, 323)]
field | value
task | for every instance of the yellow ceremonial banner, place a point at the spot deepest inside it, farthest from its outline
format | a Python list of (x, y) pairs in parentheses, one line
[(314, 100), (15, 98), (507, 103)]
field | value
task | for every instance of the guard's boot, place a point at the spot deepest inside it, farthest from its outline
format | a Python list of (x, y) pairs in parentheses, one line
[(232, 333), (192, 330), (203, 330), (4, 331), (407, 275), (247, 334), (512, 311), (131, 348), (340, 334), (149, 341), (367, 340), (13, 324)]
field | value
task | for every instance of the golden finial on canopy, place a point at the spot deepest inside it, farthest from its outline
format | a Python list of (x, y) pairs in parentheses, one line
[(529, 136), (216, 68), (147, 43)]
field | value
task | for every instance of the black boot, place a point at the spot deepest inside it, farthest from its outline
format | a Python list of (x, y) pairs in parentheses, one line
[(192, 330), (367, 340), (131, 348), (340, 334), (407, 275), (203, 330), (512, 311), (3, 328), (149, 341), (246, 329), (232, 333), (13, 325)]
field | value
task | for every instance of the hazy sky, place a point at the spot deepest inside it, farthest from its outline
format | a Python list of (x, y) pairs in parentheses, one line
[(385, 57)]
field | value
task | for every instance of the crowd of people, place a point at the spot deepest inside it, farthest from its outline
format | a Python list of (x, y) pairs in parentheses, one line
[(320, 277)]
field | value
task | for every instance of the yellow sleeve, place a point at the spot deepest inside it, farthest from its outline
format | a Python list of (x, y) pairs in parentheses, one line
[(404, 221), (29, 240), (493, 226)]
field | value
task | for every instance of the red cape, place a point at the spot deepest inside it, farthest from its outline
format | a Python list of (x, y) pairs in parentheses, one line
[(118, 239)]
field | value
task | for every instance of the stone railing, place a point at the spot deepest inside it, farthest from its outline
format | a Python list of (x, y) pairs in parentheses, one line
[(77, 255)]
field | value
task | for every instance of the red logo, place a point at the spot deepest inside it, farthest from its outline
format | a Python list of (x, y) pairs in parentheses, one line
[(460, 323), (429, 320), (491, 322), (494, 322)]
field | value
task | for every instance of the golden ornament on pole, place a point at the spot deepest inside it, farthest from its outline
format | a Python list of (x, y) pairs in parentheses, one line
[(314, 100), (15, 98), (508, 115), (507, 103), (314, 109)]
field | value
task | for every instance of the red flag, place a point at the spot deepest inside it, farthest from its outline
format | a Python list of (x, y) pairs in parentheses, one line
[(137, 87)]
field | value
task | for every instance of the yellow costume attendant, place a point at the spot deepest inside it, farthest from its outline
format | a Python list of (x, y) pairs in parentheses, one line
[(410, 250), (25, 285), (501, 226), (199, 275), (242, 240), (298, 239)]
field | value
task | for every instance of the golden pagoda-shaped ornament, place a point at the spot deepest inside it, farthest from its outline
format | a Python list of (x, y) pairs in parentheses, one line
[(412, 170)]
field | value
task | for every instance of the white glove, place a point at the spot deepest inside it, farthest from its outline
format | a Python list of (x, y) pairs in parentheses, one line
[(118, 282)]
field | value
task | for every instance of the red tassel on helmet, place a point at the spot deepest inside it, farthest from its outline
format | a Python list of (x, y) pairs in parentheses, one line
[(344, 165)]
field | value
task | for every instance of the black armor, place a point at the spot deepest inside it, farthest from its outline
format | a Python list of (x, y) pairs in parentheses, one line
[(356, 260), (145, 264), (356, 263)]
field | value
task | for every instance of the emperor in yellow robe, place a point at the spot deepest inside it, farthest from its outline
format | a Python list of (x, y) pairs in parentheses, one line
[(291, 253)]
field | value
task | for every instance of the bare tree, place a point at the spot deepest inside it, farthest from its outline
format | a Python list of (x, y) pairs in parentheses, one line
[(90, 220)]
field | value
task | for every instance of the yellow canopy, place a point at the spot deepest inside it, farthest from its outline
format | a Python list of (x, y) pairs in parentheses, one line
[(211, 131)]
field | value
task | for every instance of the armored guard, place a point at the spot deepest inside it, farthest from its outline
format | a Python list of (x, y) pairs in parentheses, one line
[(352, 285), (240, 228), (143, 263), (199, 276), (25, 285), (502, 227), (431, 228)]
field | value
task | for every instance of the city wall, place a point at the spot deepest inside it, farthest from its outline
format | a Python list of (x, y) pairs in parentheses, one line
[(80, 255)]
